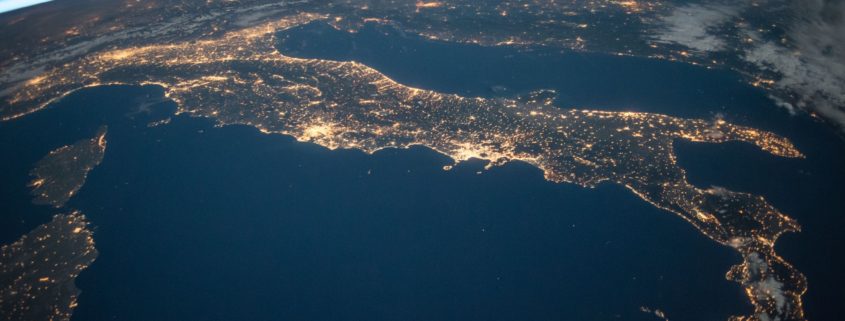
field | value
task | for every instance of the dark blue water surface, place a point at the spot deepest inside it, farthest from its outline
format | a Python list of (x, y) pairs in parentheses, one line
[(196, 222)]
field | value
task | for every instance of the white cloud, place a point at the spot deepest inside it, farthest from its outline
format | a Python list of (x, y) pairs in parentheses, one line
[(809, 62), (812, 68), (690, 26), (771, 288), (766, 287)]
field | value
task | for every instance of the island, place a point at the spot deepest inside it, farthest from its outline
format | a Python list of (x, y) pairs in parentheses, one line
[(37, 272), (239, 77), (60, 174)]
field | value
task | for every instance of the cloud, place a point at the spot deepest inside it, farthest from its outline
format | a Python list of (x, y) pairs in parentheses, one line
[(771, 288), (811, 65), (766, 287), (807, 61), (691, 26)]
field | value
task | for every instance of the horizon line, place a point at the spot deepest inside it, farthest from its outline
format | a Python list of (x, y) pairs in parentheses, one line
[(11, 5)]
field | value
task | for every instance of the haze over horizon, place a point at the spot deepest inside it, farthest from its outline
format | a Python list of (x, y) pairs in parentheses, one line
[(9, 5)]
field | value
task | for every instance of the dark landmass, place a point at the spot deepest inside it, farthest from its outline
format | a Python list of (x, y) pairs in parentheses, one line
[(60, 174), (37, 272)]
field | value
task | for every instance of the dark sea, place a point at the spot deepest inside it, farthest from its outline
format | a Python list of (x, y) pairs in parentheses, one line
[(197, 222)]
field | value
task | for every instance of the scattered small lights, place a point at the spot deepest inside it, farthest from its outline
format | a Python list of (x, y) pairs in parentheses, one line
[(42, 267), (63, 171)]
